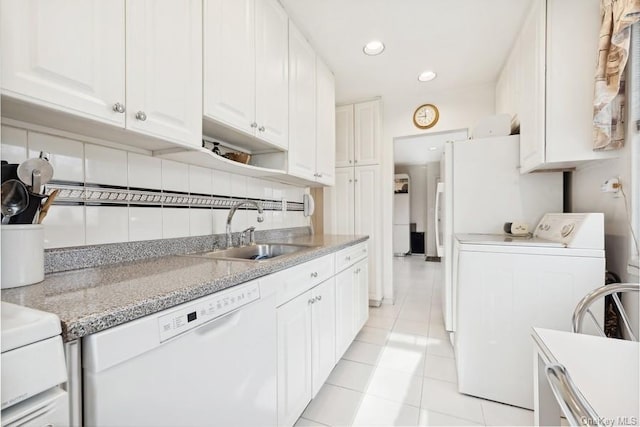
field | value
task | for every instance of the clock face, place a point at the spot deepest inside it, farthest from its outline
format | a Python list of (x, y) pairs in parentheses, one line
[(426, 116)]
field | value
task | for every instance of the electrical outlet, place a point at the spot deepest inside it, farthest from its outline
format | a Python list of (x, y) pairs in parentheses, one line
[(612, 185)]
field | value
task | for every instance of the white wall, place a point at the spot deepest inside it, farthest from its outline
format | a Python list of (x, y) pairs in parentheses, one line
[(460, 108), (587, 197)]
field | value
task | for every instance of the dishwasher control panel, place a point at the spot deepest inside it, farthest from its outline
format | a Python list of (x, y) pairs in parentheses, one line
[(205, 309)]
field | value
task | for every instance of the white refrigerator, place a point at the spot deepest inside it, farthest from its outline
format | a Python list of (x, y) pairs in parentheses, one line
[(401, 216), (481, 188)]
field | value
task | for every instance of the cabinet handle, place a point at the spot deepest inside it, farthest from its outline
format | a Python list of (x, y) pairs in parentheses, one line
[(311, 301), (350, 162), (347, 258), (355, 180), (319, 298), (261, 128), (355, 161), (319, 175), (254, 125), (350, 180), (314, 274), (119, 108), (140, 115)]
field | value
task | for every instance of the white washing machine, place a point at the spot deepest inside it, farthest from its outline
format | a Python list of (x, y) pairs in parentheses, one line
[(507, 285)]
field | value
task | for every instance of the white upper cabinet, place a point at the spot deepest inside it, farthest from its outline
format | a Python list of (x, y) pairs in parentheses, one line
[(164, 69), (344, 135), (229, 63), (358, 134), (66, 55), (272, 73), (246, 68), (366, 140), (547, 83), (325, 124), (302, 106), (74, 57)]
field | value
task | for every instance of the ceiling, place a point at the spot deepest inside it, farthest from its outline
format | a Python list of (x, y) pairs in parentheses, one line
[(464, 41)]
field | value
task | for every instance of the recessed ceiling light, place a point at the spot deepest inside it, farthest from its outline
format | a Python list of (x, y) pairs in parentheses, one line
[(426, 76), (433, 148), (374, 47)]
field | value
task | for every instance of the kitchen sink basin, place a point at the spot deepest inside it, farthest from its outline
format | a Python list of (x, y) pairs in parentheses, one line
[(257, 252)]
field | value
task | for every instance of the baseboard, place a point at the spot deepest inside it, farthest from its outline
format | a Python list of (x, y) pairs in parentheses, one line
[(375, 303), (433, 258)]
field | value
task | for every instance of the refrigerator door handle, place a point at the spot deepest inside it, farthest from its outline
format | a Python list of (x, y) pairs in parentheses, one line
[(439, 191)]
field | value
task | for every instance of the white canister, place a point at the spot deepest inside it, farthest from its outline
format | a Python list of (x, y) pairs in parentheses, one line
[(22, 254)]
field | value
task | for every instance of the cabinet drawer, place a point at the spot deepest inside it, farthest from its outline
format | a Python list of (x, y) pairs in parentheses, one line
[(296, 280), (349, 256)]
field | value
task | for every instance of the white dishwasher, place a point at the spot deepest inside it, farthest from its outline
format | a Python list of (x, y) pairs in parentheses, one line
[(207, 362)]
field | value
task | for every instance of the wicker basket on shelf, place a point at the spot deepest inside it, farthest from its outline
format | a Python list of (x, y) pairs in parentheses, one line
[(238, 157)]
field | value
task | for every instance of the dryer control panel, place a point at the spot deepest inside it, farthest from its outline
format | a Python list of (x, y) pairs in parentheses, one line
[(574, 230)]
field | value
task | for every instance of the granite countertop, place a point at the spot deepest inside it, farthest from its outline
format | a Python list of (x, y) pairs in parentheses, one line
[(93, 299)]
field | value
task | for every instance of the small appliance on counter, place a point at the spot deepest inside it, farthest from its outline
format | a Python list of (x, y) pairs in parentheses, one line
[(33, 368)]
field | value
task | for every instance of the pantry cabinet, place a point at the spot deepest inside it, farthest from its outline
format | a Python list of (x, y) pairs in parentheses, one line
[(353, 206), (246, 68), (358, 134), (306, 349), (547, 83), (78, 58)]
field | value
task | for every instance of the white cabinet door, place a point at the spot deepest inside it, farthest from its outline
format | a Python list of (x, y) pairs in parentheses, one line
[(323, 322), (66, 55), (367, 215), (294, 358), (531, 102), (343, 215), (366, 143), (272, 76), (361, 294), (164, 69), (344, 135), (325, 124), (345, 310), (229, 63), (302, 106)]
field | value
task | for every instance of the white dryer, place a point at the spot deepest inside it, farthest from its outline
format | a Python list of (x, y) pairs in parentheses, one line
[(507, 285)]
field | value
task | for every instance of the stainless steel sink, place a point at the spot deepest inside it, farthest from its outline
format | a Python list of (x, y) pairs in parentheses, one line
[(257, 252)]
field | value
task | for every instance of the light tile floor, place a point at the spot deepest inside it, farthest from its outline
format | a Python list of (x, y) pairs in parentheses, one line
[(400, 370)]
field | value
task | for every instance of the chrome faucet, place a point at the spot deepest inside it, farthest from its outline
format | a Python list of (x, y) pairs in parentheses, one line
[(233, 211)]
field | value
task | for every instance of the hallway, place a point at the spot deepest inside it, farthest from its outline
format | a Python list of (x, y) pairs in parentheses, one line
[(400, 371)]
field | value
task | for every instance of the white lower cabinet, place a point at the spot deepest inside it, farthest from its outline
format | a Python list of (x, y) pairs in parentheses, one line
[(294, 358), (352, 304), (316, 327), (306, 349)]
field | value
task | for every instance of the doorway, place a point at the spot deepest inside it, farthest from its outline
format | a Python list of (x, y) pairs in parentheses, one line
[(417, 157)]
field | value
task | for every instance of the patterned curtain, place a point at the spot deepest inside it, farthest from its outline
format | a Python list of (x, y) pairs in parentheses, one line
[(608, 104)]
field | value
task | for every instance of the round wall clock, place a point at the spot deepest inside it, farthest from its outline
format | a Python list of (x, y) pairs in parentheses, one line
[(426, 116)]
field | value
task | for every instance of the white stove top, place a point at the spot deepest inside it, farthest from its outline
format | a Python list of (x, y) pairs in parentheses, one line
[(22, 326)]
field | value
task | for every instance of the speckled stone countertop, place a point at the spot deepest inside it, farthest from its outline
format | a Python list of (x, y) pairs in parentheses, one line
[(93, 299)]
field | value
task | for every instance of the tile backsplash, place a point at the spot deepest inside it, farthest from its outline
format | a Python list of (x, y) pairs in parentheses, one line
[(109, 195)]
